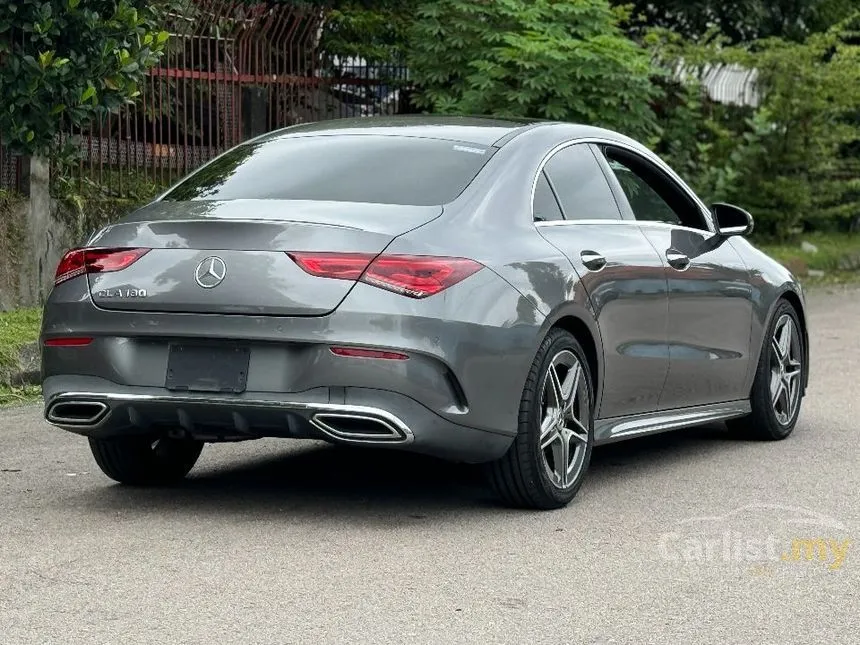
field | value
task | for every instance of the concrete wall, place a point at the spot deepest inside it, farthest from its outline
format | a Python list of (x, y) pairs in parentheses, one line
[(33, 238)]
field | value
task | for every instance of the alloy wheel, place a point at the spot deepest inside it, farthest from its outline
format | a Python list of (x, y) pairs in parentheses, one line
[(786, 368), (565, 420)]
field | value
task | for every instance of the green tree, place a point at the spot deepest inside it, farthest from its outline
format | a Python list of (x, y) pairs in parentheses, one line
[(532, 58), (741, 20), (789, 160), (66, 61), (62, 63)]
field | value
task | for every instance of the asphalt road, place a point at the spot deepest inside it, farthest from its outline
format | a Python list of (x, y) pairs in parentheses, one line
[(293, 542)]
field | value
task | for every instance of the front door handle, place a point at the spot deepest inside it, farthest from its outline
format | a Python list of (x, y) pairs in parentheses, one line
[(677, 260), (593, 260)]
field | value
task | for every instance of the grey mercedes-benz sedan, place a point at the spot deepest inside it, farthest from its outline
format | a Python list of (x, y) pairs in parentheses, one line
[(482, 290)]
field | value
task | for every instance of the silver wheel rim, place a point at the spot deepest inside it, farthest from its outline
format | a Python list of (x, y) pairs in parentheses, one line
[(785, 370), (565, 420)]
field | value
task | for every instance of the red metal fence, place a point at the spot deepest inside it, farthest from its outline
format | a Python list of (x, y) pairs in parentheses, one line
[(231, 71)]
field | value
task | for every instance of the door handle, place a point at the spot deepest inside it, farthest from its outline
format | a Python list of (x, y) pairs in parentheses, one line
[(593, 260), (677, 260)]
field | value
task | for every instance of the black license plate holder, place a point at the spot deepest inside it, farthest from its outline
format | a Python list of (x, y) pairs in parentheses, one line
[(207, 368)]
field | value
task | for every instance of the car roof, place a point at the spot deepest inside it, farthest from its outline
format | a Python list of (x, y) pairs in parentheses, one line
[(487, 131)]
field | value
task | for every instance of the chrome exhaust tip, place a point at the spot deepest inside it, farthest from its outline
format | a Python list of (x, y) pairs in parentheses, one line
[(77, 413), (361, 428)]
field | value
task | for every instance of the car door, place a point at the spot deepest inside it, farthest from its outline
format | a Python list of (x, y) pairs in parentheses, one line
[(710, 299), (623, 275)]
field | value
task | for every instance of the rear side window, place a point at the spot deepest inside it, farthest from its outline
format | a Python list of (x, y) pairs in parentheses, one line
[(341, 168), (581, 186), (546, 207)]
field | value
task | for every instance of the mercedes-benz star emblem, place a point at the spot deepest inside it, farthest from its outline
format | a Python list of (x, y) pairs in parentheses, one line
[(210, 272)]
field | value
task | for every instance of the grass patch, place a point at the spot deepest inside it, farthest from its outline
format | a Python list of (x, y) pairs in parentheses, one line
[(18, 327), (838, 255), (19, 395)]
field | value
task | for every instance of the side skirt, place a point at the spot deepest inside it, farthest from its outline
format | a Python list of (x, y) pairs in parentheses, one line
[(621, 428)]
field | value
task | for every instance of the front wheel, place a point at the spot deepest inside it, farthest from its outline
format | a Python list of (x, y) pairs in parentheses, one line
[(546, 464), (777, 391), (145, 461)]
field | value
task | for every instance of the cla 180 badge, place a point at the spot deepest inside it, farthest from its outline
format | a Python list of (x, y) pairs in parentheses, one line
[(121, 293)]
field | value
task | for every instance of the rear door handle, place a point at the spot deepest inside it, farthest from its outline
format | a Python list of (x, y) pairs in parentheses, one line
[(677, 260), (593, 260)]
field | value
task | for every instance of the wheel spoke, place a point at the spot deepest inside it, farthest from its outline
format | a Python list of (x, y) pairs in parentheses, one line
[(785, 398), (776, 388), (569, 388), (578, 432), (555, 387), (791, 388), (551, 435), (777, 349), (561, 456), (792, 368), (785, 339), (549, 421)]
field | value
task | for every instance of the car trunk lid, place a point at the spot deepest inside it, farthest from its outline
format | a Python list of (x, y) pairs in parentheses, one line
[(231, 257)]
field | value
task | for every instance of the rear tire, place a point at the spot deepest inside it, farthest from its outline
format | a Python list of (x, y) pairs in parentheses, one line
[(145, 461), (546, 464), (777, 392)]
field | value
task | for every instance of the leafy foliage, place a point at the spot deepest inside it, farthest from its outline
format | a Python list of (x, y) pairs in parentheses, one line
[(791, 160), (65, 61), (741, 20), (531, 58), (374, 31)]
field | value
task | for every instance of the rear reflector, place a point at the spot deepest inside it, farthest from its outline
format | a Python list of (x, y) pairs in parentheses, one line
[(81, 261), (359, 352), (69, 341), (416, 276)]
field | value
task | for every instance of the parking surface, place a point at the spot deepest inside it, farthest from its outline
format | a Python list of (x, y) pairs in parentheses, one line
[(689, 537)]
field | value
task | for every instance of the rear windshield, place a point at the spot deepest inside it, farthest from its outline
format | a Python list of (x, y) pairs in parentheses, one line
[(344, 168)]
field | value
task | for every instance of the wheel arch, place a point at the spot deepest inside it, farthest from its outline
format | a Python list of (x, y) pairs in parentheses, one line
[(789, 295), (796, 302), (588, 336)]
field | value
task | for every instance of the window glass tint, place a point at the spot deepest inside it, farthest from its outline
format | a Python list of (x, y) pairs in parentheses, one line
[(581, 185), (351, 168), (653, 195), (646, 203), (546, 207)]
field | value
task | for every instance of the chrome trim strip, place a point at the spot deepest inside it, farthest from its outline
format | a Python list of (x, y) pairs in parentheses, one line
[(638, 150), (618, 429), (621, 222), (355, 411)]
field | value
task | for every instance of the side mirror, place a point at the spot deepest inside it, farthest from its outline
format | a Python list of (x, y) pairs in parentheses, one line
[(731, 220)]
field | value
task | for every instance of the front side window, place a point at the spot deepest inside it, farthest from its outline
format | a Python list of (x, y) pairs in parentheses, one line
[(581, 186), (653, 197), (342, 168)]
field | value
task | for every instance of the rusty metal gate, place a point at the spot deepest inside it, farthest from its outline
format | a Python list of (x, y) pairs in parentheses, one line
[(231, 71)]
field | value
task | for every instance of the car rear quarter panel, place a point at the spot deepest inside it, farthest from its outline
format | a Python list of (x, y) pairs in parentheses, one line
[(492, 223)]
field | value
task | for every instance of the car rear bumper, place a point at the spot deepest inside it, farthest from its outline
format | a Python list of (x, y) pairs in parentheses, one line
[(95, 407), (469, 349)]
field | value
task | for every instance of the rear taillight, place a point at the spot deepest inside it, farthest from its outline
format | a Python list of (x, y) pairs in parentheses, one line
[(416, 276), (341, 266), (80, 261)]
